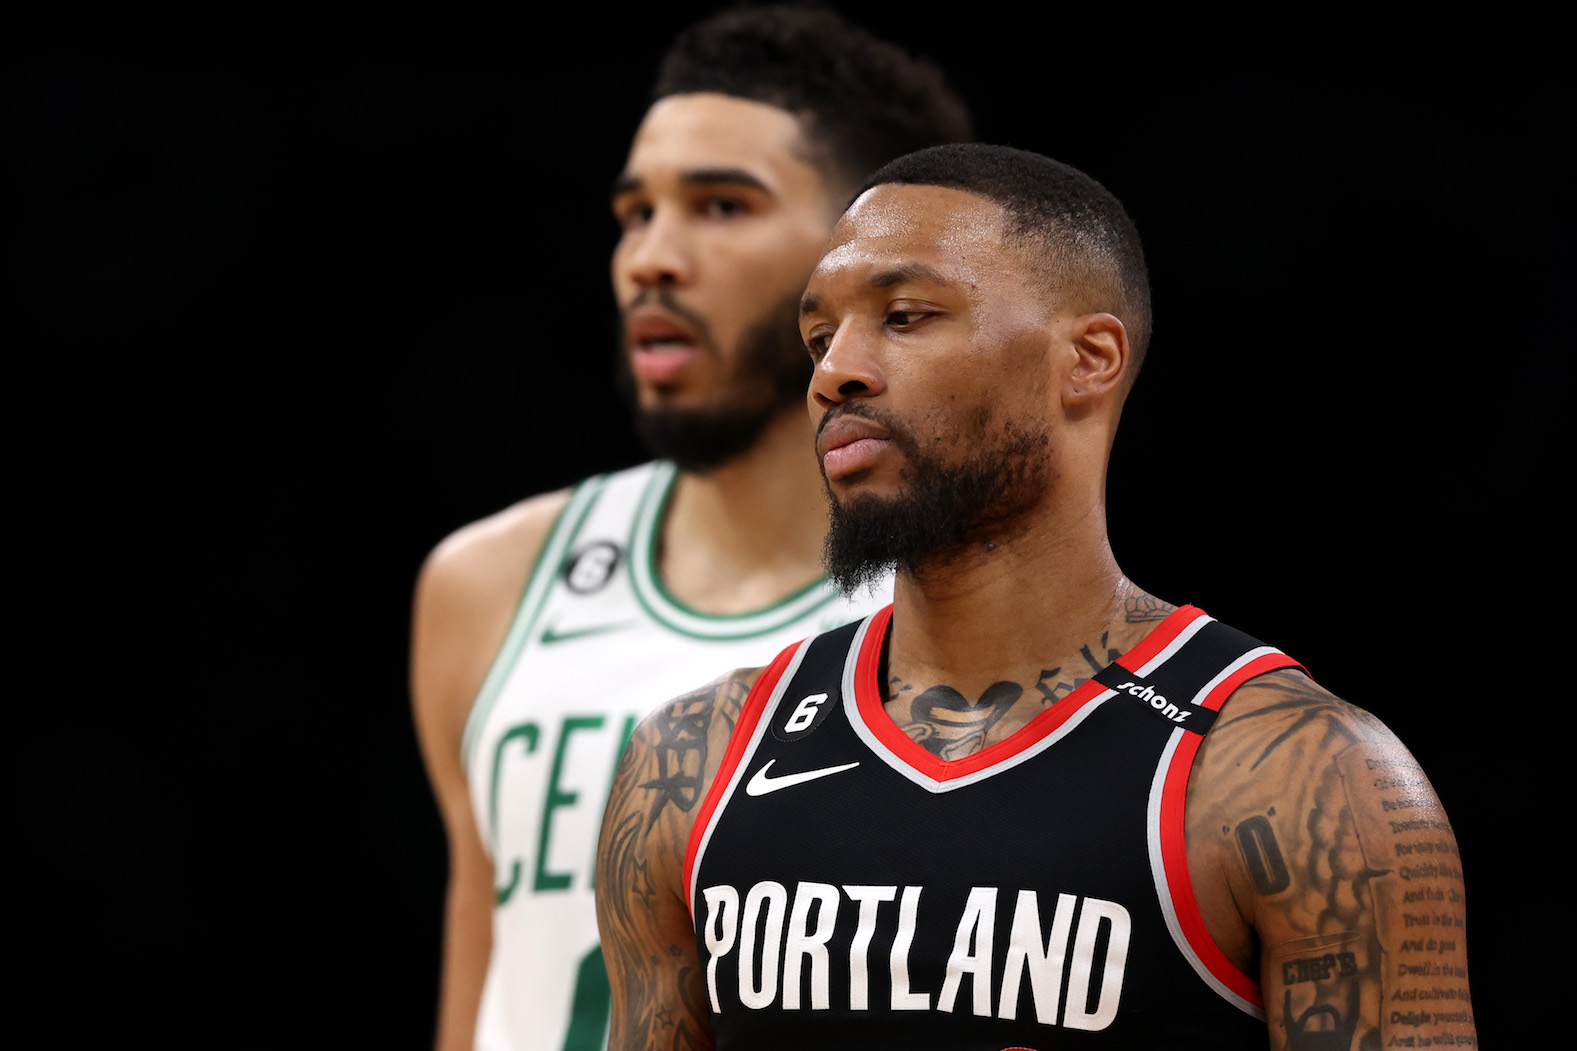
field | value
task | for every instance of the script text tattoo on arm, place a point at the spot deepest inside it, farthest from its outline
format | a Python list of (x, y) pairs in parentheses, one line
[(1333, 864)]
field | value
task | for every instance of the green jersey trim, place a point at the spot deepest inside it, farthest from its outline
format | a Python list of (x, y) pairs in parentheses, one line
[(539, 585), (660, 604)]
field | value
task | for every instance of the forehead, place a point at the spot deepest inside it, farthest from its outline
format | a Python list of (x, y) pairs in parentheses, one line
[(892, 226), (682, 134)]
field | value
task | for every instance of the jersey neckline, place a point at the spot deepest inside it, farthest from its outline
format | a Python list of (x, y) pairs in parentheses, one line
[(867, 710), (658, 602)]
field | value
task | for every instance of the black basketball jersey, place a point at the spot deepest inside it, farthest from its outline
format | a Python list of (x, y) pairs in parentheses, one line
[(852, 890)]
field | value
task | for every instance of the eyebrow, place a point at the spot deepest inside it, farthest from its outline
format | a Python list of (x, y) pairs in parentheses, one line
[(886, 279), (907, 272), (627, 183)]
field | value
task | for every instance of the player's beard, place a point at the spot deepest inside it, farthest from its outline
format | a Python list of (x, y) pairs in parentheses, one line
[(945, 509), (769, 375)]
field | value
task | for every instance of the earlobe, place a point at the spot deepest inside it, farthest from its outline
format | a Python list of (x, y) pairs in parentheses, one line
[(1100, 349)]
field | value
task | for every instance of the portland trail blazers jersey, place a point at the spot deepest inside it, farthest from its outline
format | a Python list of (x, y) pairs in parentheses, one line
[(852, 890), (596, 644)]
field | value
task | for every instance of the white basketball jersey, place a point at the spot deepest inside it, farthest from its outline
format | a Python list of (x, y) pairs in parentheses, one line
[(596, 644)]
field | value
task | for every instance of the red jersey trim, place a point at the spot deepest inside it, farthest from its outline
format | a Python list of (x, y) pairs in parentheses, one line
[(1179, 885), (738, 744), (871, 706)]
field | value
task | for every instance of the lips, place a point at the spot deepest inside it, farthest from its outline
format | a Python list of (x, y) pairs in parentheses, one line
[(848, 444), (661, 344)]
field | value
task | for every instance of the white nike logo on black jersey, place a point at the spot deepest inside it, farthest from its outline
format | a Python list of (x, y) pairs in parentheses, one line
[(761, 784)]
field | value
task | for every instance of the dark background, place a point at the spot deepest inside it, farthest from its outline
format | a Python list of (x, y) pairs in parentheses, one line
[(287, 315)]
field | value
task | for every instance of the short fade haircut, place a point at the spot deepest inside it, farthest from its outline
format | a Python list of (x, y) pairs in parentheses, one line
[(1093, 258), (860, 101)]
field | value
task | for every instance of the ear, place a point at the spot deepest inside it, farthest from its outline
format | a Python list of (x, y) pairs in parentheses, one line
[(1100, 348)]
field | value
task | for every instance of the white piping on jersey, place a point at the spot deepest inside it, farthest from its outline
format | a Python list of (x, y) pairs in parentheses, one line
[(640, 569), (1165, 654), (544, 573), (1235, 667), (738, 773), (1157, 862), (851, 709), (665, 609)]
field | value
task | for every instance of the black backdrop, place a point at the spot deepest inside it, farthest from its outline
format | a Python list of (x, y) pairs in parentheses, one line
[(288, 316)]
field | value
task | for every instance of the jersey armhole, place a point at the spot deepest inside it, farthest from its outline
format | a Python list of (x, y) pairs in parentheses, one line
[(739, 742), (1173, 880), (533, 595)]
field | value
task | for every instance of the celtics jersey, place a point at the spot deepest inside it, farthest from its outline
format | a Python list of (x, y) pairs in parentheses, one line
[(596, 644), (851, 889)]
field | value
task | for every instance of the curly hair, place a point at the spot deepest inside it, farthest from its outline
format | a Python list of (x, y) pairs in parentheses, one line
[(860, 100)]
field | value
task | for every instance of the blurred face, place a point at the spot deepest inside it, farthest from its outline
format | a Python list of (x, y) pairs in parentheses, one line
[(721, 219), (933, 381)]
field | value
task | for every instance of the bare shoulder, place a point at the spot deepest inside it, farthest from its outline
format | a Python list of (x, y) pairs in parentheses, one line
[(642, 914), (1287, 752), (1283, 720), (676, 751), (1324, 864), (466, 596), (1283, 741), (487, 554)]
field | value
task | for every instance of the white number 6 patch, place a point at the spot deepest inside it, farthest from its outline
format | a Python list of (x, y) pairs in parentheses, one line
[(805, 713)]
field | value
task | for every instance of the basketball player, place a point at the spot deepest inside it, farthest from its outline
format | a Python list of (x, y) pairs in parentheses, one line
[(764, 123), (1028, 805)]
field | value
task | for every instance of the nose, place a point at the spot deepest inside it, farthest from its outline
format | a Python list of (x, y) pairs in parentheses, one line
[(657, 253), (849, 369)]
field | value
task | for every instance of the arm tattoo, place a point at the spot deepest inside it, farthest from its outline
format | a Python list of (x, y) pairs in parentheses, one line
[(1329, 830), (648, 944), (680, 752)]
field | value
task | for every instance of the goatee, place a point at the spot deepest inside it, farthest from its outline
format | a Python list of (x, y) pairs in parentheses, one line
[(769, 375), (945, 509)]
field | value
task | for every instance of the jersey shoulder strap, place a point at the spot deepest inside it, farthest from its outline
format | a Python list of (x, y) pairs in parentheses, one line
[(1188, 680)]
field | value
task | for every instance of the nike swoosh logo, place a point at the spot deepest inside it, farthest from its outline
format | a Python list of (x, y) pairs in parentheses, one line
[(549, 635), (761, 784)]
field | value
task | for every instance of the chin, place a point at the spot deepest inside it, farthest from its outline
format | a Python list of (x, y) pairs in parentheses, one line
[(862, 486)]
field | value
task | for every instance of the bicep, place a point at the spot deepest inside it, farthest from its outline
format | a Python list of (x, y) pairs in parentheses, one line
[(438, 710), (647, 932), (464, 600), (642, 918), (1379, 935), (1341, 862)]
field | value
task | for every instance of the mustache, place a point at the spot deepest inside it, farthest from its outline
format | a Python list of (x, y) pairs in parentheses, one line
[(663, 296), (897, 433)]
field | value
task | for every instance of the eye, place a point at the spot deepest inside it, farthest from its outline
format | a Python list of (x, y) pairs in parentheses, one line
[(817, 343), (724, 207), (632, 214), (904, 318)]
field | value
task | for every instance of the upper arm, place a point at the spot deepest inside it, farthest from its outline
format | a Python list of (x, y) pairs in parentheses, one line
[(465, 600), (643, 918), (466, 595), (1322, 859)]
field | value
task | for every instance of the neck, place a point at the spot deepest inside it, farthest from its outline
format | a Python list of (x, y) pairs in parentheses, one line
[(1028, 603), (748, 533)]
